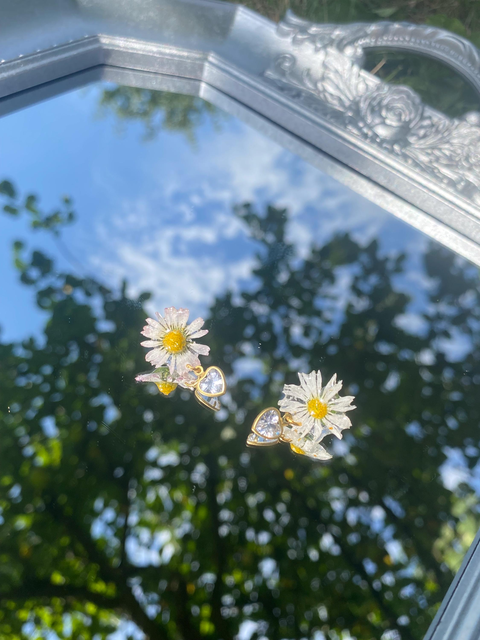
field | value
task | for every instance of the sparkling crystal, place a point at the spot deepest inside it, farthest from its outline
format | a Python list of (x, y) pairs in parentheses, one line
[(213, 402), (268, 425), (254, 439), (212, 383)]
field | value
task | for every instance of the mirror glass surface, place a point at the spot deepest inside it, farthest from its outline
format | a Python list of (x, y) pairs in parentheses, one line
[(123, 512)]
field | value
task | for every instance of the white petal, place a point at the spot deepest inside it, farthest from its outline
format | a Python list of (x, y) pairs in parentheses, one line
[(302, 417), (201, 349), (342, 404), (149, 377), (157, 357), (183, 359), (198, 334), (295, 391), (331, 392), (182, 317), (307, 423), (318, 384), (332, 381), (309, 383), (194, 326), (320, 432), (161, 321), (150, 343), (339, 419), (153, 323), (289, 405), (152, 332), (333, 428), (319, 453), (170, 316)]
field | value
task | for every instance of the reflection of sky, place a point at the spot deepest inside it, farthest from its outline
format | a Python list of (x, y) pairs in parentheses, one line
[(159, 213)]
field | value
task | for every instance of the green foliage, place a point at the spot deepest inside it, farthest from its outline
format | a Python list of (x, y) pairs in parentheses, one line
[(28, 206), (115, 501), (159, 110)]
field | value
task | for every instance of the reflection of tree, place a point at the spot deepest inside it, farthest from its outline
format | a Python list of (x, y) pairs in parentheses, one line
[(116, 502), (159, 110)]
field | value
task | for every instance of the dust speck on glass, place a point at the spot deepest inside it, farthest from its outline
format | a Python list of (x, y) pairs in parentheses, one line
[(127, 511)]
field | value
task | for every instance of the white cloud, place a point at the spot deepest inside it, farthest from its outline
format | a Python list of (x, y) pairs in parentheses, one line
[(177, 235)]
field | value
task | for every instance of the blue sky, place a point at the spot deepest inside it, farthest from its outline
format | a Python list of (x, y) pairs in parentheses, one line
[(159, 212)]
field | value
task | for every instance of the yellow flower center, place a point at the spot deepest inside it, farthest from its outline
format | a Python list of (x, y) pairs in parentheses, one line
[(166, 388), (174, 341), (297, 450), (317, 409)]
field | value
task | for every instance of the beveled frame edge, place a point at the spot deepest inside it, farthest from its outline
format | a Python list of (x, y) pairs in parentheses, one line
[(82, 49), (458, 617)]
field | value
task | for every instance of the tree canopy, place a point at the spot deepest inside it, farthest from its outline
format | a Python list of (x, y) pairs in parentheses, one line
[(118, 504)]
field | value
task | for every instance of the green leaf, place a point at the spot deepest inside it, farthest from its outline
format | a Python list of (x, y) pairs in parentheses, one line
[(13, 211), (7, 188), (450, 24), (31, 203), (386, 12)]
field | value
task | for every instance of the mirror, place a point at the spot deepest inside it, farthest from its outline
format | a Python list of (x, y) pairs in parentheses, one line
[(125, 512)]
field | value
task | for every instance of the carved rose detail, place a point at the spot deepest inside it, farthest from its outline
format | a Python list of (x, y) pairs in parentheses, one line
[(389, 113), (392, 118)]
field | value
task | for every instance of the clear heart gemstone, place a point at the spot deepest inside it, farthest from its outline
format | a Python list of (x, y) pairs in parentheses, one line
[(212, 383), (253, 439), (268, 425), (212, 402)]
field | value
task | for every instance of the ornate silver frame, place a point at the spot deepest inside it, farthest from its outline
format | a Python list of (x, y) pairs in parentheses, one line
[(301, 84)]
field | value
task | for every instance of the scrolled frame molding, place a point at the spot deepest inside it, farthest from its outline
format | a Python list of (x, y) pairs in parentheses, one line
[(233, 58), (353, 39), (329, 80)]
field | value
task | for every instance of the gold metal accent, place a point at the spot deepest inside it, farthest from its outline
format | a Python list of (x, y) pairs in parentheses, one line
[(284, 421), (200, 395), (269, 443)]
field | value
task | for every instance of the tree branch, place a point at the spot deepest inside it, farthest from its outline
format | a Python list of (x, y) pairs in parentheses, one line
[(127, 600), (43, 589), (389, 614)]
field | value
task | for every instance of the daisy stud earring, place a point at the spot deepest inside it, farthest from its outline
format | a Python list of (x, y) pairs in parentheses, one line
[(310, 412), (174, 356)]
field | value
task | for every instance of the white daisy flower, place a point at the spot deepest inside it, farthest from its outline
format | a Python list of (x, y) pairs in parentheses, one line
[(165, 382), (319, 410), (171, 341)]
